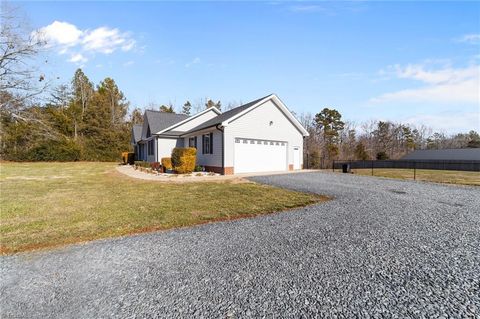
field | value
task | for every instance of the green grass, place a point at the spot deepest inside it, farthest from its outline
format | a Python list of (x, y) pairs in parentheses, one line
[(51, 204), (438, 176)]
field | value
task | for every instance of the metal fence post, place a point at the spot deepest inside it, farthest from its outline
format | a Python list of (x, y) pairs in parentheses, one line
[(333, 165), (414, 171), (372, 167)]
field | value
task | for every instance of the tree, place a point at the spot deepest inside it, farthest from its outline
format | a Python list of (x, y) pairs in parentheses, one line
[(382, 156), (383, 137), (186, 108), (167, 109), (112, 96), (61, 96), (329, 123), (136, 117), (210, 104), (20, 80), (361, 152), (18, 49), (474, 141), (82, 90), (314, 159)]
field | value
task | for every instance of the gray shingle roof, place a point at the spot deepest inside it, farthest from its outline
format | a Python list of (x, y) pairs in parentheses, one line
[(161, 120), (226, 115), (460, 154), (137, 132)]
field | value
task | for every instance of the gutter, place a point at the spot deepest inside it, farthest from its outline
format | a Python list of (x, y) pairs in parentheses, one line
[(223, 145)]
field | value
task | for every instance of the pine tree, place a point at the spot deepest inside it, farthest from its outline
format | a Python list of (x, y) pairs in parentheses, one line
[(186, 108)]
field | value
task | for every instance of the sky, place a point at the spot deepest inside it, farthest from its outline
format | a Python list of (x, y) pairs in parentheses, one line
[(409, 62)]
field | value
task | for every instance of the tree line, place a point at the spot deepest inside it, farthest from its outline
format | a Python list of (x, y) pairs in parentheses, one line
[(332, 138), (79, 121)]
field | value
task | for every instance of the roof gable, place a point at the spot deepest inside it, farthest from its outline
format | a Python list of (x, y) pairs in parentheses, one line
[(157, 121), (136, 133), (183, 125), (237, 112)]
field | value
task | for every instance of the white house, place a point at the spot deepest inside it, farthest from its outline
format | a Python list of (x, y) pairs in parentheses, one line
[(259, 136)]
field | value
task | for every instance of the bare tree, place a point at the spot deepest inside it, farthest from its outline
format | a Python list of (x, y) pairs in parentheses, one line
[(18, 49)]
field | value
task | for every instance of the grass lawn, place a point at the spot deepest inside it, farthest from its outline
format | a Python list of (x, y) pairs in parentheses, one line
[(438, 176), (51, 204)]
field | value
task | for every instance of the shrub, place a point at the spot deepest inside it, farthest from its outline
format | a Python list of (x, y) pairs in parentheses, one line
[(155, 166), (167, 162), (128, 158), (183, 159), (382, 156), (142, 164), (62, 151), (198, 168)]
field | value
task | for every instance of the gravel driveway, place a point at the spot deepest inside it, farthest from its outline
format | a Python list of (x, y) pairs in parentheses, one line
[(380, 248)]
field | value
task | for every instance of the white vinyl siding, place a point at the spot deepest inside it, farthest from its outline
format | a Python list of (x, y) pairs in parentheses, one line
[(195, 122), (214, 159), (265, 122), (165, 147)]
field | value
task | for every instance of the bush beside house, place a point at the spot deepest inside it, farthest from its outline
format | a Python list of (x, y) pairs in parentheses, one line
[(183, 159), (167, 162)]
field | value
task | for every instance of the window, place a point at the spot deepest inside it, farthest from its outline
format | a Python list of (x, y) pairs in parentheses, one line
[(151, 147), (192, 142), (207, 143)]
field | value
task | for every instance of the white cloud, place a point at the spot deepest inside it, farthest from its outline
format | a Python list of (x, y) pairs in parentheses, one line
[(473, 38), (78, 58), (441, 85), (59, 33), (128, 63), (68, 38), (107, 40), (194, 61)]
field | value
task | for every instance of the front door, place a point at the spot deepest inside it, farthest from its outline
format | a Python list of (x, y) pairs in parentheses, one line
[(296, 157)]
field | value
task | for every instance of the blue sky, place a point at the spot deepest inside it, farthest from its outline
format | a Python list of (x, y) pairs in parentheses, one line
[(407, 62)]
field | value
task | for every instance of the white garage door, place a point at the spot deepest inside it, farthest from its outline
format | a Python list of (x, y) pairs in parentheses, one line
[(259, 156)]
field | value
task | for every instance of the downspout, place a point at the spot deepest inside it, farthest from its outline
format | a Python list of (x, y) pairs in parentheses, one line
[(223, 146)]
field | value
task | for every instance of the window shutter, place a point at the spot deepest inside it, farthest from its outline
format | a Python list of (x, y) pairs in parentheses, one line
[(195, 142), (203, 144), (211, 143)]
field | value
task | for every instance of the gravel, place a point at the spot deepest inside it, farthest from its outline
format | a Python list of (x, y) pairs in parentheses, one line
[(379, 248)]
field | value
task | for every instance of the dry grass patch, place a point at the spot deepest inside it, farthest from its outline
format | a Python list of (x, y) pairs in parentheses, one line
[(87, 201)]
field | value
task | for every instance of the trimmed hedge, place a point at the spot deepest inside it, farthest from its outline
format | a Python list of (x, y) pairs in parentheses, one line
[(183, 159), (167, 162)]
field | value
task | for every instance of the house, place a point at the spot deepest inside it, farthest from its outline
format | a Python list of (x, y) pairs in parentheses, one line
[(259, 136)]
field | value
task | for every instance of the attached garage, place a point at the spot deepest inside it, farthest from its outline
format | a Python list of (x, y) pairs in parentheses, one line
[(252, 155), (259, 136)]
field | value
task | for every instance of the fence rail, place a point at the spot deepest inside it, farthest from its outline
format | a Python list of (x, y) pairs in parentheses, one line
[(451, 165)]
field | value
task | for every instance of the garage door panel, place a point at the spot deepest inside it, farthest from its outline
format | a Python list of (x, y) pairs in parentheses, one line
[(259, 156)]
